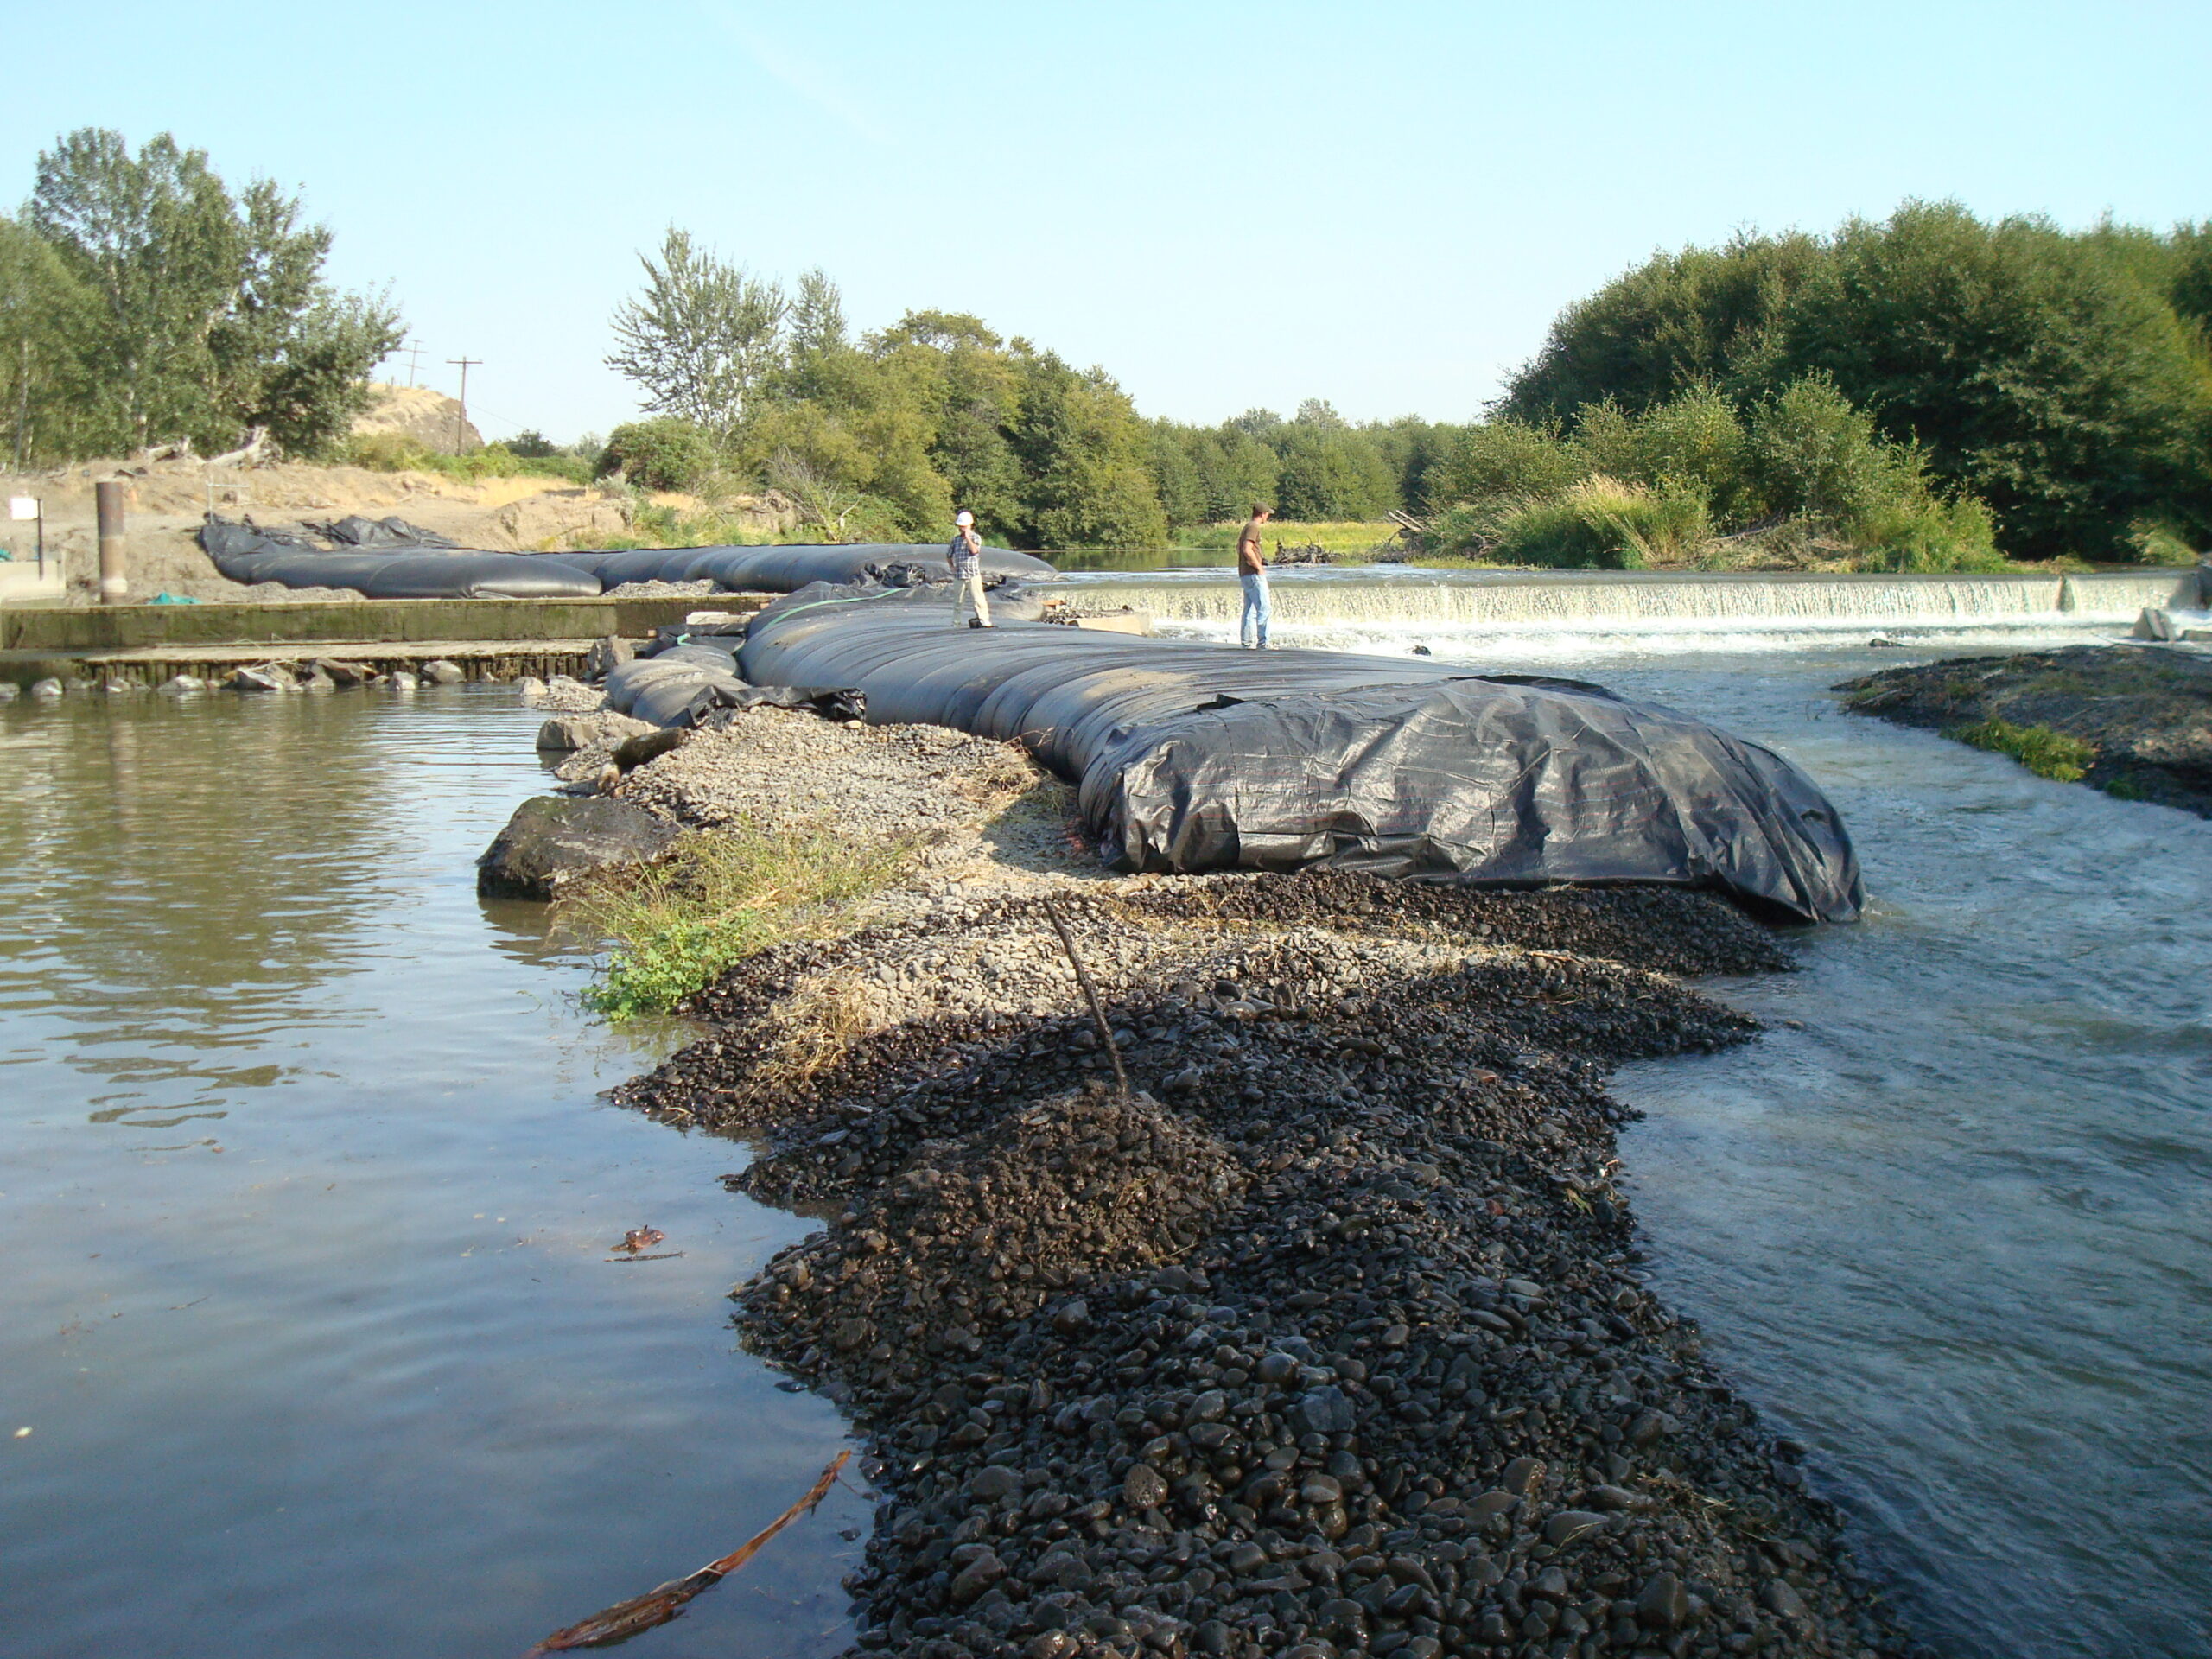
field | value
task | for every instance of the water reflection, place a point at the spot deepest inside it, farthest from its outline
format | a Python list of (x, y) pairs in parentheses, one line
[(307, 1199)]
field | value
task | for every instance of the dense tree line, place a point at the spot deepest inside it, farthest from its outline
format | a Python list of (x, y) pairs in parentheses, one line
[(142, 304), (2063, 378), (1911, 394), (886, 433), (1914, 392)]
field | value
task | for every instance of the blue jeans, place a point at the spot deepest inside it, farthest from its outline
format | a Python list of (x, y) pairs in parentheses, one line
[(1252, 626)]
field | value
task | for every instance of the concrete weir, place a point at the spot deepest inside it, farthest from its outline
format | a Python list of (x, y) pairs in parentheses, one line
[(1686, 603), (490, 638)]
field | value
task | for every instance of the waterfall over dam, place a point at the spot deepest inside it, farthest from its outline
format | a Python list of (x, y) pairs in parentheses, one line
[(1689, 608)]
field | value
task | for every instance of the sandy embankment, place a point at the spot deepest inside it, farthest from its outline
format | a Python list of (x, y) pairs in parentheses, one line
[(1329, 1338), (169, 499)]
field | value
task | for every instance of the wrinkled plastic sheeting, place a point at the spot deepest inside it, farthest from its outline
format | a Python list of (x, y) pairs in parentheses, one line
[(787, 569), (355, 530), (245, 554), (1196, 757), (663, 688)]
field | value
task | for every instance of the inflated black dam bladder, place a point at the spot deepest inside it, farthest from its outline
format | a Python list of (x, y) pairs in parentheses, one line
[(1198, 757), (434, 568)]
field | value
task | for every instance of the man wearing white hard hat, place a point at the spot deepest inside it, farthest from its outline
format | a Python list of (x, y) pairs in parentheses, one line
[(966, 557)]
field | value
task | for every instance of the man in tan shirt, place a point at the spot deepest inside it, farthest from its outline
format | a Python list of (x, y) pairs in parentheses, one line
[(1252, 571)]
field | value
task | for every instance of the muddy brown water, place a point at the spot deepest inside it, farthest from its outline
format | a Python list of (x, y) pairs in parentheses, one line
[(305, 1201)]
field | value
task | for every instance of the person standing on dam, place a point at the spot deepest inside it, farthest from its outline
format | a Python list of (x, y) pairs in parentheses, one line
[(965, 554), (1252, 571)]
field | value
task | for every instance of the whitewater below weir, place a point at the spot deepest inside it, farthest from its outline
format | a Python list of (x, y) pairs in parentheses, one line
[(309, 1192)]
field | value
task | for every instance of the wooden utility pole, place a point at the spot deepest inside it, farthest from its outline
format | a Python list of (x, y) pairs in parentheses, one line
[(464, 364), (115, 586), (414, 350)]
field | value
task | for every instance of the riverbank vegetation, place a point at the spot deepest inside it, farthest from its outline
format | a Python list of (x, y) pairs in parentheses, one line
[(1800, 478), (676, 924), (144, 305), (1932, 393), (2042, 751), (2062, 379)]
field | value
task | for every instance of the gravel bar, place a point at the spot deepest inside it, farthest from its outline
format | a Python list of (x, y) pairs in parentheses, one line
[(1328, 1338)]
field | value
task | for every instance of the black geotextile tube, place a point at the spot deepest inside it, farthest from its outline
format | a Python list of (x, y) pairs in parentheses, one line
[(685, 685), (248, 554), (787, 569), (1198, 757), (242, 553)]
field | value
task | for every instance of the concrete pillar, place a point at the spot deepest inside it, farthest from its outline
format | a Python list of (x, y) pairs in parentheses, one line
[(115, 586)]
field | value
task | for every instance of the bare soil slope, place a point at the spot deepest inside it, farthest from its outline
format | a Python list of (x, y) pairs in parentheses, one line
[(168, 500)]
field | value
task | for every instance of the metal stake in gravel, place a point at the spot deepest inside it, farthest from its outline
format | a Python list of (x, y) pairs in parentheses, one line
[(1090, 994)]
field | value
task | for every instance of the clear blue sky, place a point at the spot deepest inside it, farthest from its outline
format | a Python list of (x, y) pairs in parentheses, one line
[(1225, 205)]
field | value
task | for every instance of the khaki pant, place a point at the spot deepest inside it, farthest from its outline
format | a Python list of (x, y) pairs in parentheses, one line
[(968, 597)]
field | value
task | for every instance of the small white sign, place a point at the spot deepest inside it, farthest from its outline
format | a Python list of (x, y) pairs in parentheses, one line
[(22, 506)]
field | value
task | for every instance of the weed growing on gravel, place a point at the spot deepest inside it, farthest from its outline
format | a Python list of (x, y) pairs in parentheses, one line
[(676, 924), (2042, 751)]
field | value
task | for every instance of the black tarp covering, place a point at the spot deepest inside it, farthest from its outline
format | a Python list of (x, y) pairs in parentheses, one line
[(354, 530), (245, 553), (663, 688), (1198, 757)]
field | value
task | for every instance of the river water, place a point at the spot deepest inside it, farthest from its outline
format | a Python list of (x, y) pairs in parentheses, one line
[(308, 1197), (305, 1201), (1956, 1231)]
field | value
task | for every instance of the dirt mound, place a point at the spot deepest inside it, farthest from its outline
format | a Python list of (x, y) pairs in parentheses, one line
[(1665, 929), (773, 769), (429, 418)]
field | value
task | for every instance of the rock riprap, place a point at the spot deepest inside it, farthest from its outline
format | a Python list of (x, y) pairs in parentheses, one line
[(551, 842), (1330, 1339)]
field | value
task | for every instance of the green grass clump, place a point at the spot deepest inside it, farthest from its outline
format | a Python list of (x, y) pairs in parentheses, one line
[(2042, 751), (654, 524), (718, 898), (1596, 523), (394, 452)]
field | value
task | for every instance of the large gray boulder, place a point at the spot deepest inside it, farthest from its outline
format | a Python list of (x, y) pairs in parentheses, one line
[(566, 733), (552, 840)]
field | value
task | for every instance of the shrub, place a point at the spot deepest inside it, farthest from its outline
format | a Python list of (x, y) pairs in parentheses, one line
[(1927, 536), (1811, 453), (664, 453), (385, 452), (394, 452), (1602, 524), (2045, 752), (1501, 460), (1694, 440), (2157, 542)]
